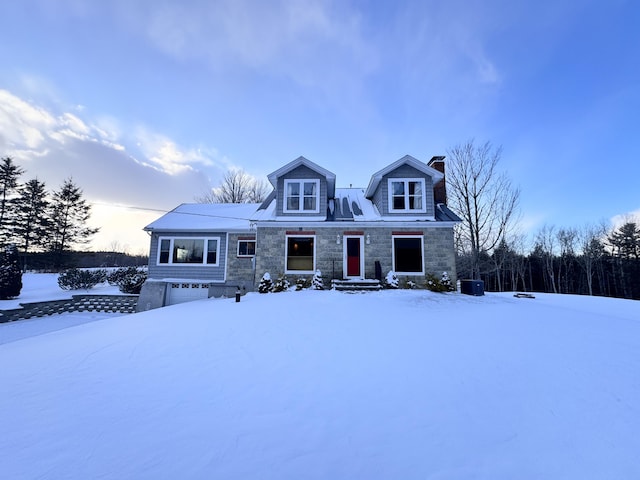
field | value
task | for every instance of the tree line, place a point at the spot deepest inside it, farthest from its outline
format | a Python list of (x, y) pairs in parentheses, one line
[(37, 220), (592, 260)]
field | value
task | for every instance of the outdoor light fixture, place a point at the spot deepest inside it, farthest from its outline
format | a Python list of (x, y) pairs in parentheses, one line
[(368, 239), (338, 239)]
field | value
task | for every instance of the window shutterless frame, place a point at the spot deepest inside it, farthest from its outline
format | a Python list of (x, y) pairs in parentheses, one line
[(189, 251), (301, 196), (408, 254), (407, 195)]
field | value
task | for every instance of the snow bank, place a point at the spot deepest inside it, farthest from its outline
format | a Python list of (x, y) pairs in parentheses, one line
[(322, 384)]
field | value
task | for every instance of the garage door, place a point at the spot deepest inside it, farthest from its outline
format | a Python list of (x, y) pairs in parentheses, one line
[(187, 292)]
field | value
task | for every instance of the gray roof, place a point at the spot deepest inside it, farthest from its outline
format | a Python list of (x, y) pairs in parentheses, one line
[(443, 214)]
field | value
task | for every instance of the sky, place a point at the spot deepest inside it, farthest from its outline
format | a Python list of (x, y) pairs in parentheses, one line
[(145, 104)]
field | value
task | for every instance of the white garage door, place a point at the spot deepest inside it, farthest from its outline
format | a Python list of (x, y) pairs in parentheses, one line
[(187, 292)]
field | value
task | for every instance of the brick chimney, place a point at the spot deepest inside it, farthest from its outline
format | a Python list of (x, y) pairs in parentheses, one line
[(440, 188)]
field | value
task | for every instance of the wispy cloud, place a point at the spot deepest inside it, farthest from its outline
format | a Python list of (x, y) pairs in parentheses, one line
[(146, 169)]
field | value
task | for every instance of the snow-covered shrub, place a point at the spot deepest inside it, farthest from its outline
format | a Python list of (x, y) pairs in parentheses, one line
[(266, 284), (301, 283), (391, 280), (446, 282), (410, 284), (76, 279), (10, 273), (128, 279), (316, 282), (281, 284), (442, 284)]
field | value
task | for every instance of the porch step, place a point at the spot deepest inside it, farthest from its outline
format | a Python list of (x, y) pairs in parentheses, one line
[(364, 285)]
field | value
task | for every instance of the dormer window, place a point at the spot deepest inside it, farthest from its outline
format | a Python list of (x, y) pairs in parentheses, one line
[(406, 195), (301, 196)]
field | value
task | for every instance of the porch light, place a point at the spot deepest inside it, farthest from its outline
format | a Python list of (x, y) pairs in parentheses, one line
[(368, 239), (338, 239)]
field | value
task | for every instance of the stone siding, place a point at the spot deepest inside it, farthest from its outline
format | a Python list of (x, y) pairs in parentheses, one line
[(439, 255), (77, 303)]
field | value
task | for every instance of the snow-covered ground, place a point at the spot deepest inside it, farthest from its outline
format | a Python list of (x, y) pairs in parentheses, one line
[(328, 385)]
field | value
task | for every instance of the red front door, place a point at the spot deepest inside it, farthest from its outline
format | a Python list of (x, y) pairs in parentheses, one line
[(353, 257)]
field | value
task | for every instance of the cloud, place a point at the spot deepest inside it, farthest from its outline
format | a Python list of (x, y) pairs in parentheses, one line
[(147, 170)]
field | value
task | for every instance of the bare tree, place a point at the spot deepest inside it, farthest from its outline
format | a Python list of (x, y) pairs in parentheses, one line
[(546, 240), (237, 186), (590, 243), (482, 196)]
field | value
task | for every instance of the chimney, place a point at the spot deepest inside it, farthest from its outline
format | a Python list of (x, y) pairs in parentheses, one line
[(440, 188)]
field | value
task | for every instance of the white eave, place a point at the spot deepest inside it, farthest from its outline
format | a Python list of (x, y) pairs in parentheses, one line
[(376, 178)]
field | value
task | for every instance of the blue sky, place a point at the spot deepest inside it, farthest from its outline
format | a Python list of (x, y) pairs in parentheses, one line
[(147, 103)]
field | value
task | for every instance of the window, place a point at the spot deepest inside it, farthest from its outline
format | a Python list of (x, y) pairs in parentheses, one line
[(406, 195), (300, 254), (192, 251), (407, 254), (301, 196), (246, 248)]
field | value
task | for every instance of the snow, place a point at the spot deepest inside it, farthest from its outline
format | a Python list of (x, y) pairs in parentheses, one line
[(206, 217), (403, 384), (40, 287)]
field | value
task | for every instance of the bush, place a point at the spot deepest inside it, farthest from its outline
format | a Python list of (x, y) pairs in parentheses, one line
[(281, 284), (391, 280), (316, 282), (301, 283), (128, 279), (76, 279), (442, 284), (265, 284), (10, 273)]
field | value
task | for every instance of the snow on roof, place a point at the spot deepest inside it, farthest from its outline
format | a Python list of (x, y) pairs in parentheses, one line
[(206, 216)]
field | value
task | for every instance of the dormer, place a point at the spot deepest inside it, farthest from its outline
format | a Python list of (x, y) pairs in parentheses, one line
[(302, 190), (405, 189)]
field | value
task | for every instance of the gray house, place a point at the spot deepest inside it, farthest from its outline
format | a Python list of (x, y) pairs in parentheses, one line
[(400, 222)]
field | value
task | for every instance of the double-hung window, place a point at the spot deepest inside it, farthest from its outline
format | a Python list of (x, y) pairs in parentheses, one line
[(408, 254), (301, 196), (407, 195), (191, 251), (300, 254), (247, 248)]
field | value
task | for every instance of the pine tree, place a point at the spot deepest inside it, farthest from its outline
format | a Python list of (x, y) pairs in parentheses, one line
[(69, 213), (316, 282), (9, 173), (266, 284), (10, 273), (31, 224)]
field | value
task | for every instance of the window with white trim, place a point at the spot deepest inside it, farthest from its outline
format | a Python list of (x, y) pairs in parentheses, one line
[(301, 196), (300, 254), (190, 251), (407, 195), (408, 254), (246, 248)]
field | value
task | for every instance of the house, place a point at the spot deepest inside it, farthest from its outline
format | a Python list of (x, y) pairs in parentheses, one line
[(399, 222)]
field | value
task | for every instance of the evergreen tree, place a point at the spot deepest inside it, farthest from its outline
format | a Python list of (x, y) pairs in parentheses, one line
[(266, 285), (10, 273), (9, 173), (31, 224), (68, 213), (317, 282)]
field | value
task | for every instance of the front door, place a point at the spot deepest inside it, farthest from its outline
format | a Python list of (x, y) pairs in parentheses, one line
[(353, 260)]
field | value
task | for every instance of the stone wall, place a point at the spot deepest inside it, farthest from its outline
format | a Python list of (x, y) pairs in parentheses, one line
[(439, 253), (77, 303)]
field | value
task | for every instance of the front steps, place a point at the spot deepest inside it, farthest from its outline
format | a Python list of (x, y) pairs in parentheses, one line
[(359, 285)]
